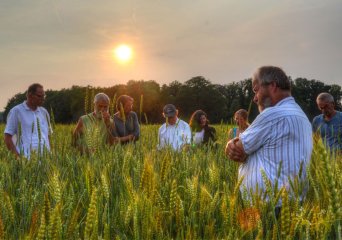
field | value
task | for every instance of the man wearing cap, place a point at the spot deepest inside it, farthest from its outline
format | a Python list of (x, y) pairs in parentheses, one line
[(174, 133)]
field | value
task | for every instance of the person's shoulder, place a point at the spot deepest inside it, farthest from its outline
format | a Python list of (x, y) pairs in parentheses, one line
[(317, 119), (133, 114), (84, 116), (43, 109), (211, 128), (18, 107), (183, 123), (116, 116), (162, 126)]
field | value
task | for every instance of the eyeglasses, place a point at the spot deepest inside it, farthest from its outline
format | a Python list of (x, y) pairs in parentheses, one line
[(40, 95)]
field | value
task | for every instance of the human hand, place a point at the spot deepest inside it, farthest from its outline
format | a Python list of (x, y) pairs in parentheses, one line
[(130, 137), (106, 118), (234, 150)]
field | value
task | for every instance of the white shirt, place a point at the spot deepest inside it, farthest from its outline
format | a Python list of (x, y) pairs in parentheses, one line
[(281, 133), (175, 135), (22, 124), (198, 137)]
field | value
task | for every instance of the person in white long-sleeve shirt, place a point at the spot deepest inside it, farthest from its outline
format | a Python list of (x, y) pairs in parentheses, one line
[(174, 133)]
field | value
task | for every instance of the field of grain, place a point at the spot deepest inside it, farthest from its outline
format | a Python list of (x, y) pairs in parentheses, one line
[(137, 192)]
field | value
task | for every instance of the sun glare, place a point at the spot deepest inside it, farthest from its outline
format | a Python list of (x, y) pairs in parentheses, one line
[(123, 53)]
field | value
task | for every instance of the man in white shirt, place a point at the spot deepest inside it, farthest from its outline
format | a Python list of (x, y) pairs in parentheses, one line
[(28, 124), (174, 133), (280, 135)]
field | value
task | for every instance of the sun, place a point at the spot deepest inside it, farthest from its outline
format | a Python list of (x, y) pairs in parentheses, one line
[(123, 53)]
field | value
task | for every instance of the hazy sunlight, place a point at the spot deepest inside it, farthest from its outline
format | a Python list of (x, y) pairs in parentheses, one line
[(123, 53)]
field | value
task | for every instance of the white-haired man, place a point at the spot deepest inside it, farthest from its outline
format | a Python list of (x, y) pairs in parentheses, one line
[(95, 129), (281, 134), (329, 123)]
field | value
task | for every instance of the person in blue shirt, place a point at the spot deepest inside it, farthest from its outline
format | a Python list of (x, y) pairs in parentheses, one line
[(328, 124), (127, 128), (241, 119)]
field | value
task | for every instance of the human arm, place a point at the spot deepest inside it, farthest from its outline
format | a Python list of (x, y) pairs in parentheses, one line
[(10, 145), (161, 140), (209, 135), (187, 137), (316, 128), (235, 151), (50, 131), (251, 140), (136, 126), (78, 131), (315, 124), (10, 130), (212, 136), (110, 128), (231, 134)]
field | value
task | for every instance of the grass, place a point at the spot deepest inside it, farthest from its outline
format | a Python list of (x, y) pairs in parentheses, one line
[(136, 192)]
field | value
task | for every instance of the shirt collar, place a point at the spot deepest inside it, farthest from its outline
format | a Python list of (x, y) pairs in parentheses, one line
[(174, 125), (29, 109), (284, 101)]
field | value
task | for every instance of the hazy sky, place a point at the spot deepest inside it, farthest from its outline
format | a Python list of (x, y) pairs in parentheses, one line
[(60, 43)]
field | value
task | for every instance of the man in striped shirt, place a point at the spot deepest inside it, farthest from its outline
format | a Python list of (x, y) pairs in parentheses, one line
[(280, 135)]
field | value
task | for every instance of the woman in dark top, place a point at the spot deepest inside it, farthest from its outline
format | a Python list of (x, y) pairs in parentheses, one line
[(126, 122), (203, 133)]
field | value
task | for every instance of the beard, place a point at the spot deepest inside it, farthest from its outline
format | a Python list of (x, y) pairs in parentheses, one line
[(266, 102)]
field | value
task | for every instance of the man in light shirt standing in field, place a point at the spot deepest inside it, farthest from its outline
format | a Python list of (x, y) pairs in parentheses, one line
[(175, 133), (28, 124), (281, 134)]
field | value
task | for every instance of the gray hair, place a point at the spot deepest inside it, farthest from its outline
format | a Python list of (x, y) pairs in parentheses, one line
[(325, 97), (267, 74), (101, 97)]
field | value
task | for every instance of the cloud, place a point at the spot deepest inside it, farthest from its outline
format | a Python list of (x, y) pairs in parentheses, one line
[(61, 43)]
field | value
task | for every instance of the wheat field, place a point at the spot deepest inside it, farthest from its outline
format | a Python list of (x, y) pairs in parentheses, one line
[(137, 192)]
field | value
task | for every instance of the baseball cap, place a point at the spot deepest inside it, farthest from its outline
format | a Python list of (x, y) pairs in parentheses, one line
[(169, 110)]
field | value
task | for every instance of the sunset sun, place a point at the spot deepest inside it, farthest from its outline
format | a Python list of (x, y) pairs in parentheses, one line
[(123, 53)]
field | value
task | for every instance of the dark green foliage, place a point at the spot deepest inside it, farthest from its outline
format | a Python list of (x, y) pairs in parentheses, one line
[(218, 101)]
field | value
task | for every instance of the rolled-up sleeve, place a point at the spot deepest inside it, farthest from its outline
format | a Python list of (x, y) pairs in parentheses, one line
[(255, 136)]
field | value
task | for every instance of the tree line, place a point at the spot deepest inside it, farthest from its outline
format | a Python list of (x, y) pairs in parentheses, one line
[(218, 101)]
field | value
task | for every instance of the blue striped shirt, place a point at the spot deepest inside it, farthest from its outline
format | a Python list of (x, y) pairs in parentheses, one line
[(280, 134)]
